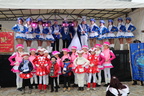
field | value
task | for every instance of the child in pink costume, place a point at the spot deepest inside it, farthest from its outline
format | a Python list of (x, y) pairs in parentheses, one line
[(109, 56), (16, 63), (74, 55), (34, 79), (101, 61), (65, 54), (59, 62)]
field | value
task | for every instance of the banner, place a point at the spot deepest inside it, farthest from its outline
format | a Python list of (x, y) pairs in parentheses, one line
[(137, 60), (6, 41)]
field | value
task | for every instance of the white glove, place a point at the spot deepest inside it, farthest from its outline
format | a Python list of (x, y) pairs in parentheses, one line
[(37, 65), (45, 64)]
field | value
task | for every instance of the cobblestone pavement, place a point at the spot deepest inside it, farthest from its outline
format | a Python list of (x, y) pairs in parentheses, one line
[(136, 90)]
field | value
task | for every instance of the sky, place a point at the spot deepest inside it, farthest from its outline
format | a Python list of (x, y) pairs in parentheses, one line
[(139, 1)]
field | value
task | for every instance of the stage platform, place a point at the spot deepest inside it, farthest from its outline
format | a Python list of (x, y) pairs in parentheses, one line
[(121, 69)]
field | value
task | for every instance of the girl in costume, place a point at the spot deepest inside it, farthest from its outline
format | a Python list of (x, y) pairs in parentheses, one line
[(16, 63), (109, 56), (20, 30), (121, 32), (93, 32), (48, 31), (111, 36), (103, 31), (25, 69), (34, 79), (29, 33), (92, 69), (129, 30)]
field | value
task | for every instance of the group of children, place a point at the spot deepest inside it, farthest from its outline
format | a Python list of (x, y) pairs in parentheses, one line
[(51, 33), (85, 64)]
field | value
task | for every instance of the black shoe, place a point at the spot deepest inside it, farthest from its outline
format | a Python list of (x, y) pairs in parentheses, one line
[(75, 85), (19, 89), (82, 88), (56, 90), (106, 85), (134, 82), (98, 85), (36, 87), (142, 83), (79, 88), (52, 91)]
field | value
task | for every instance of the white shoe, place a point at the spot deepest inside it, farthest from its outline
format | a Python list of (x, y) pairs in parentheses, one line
[(94, 88), (88, 89)]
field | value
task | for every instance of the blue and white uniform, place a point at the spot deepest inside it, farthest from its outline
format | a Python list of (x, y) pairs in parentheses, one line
[(48, 33), (93, 31), (103, 31), (19, 28), (83, 36), (39, 32), (111, 30), (29, 32), (121, 27), (129, 27)]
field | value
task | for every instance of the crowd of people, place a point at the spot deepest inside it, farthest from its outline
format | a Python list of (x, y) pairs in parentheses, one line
[(35, 66), (86, 65), (73, 33)]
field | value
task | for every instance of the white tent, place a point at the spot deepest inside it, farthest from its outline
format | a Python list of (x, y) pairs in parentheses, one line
[(67, 4)]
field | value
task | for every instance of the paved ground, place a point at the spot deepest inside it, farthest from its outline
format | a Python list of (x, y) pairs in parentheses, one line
[(136, 90)]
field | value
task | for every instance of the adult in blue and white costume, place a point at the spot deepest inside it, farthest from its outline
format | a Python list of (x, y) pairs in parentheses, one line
[(111, 29), (129, 30), (48, 31), (20, 30), (56, 34), (29, 33), (83, 29), (121, 32), (39, 32), (66, 38), (93, 32), (76, 37), (103, 31)]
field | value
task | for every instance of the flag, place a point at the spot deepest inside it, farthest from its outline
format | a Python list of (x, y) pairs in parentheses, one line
[(137, 60)]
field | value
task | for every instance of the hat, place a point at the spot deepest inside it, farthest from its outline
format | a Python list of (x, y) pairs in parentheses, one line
[(20, 18), (110, 20), (80, 51), (66, 59), (55, 52), (92, 19), (19, 46), (49, 21), (83, 19), (85, 46), (39, 20), (46, 51), (97, 45), (41, 49), (25, 54), (102, 21), (32, 49), (120, 19), (106, 43), (92, 49), (66, 49), (29, 19), (128, 18), (73, 47)]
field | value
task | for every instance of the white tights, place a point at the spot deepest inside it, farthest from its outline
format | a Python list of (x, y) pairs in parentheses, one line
[(99, 77), (107, 75), (18, 81), (34, 79), (90, 77), (47, 79), (42, 80)]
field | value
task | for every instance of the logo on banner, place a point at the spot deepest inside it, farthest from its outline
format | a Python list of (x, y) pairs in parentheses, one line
[(6, 42)]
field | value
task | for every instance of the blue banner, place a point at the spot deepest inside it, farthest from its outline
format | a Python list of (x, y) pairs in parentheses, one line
[(137, 60)]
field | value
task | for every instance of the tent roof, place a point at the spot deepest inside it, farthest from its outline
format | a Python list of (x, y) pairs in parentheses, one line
[(72, 9), (68, 4)]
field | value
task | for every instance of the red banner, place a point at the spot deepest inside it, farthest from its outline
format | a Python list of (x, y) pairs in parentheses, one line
[(6, 41)]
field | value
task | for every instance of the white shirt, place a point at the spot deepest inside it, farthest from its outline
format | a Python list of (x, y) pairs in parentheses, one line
[(81, 61)]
